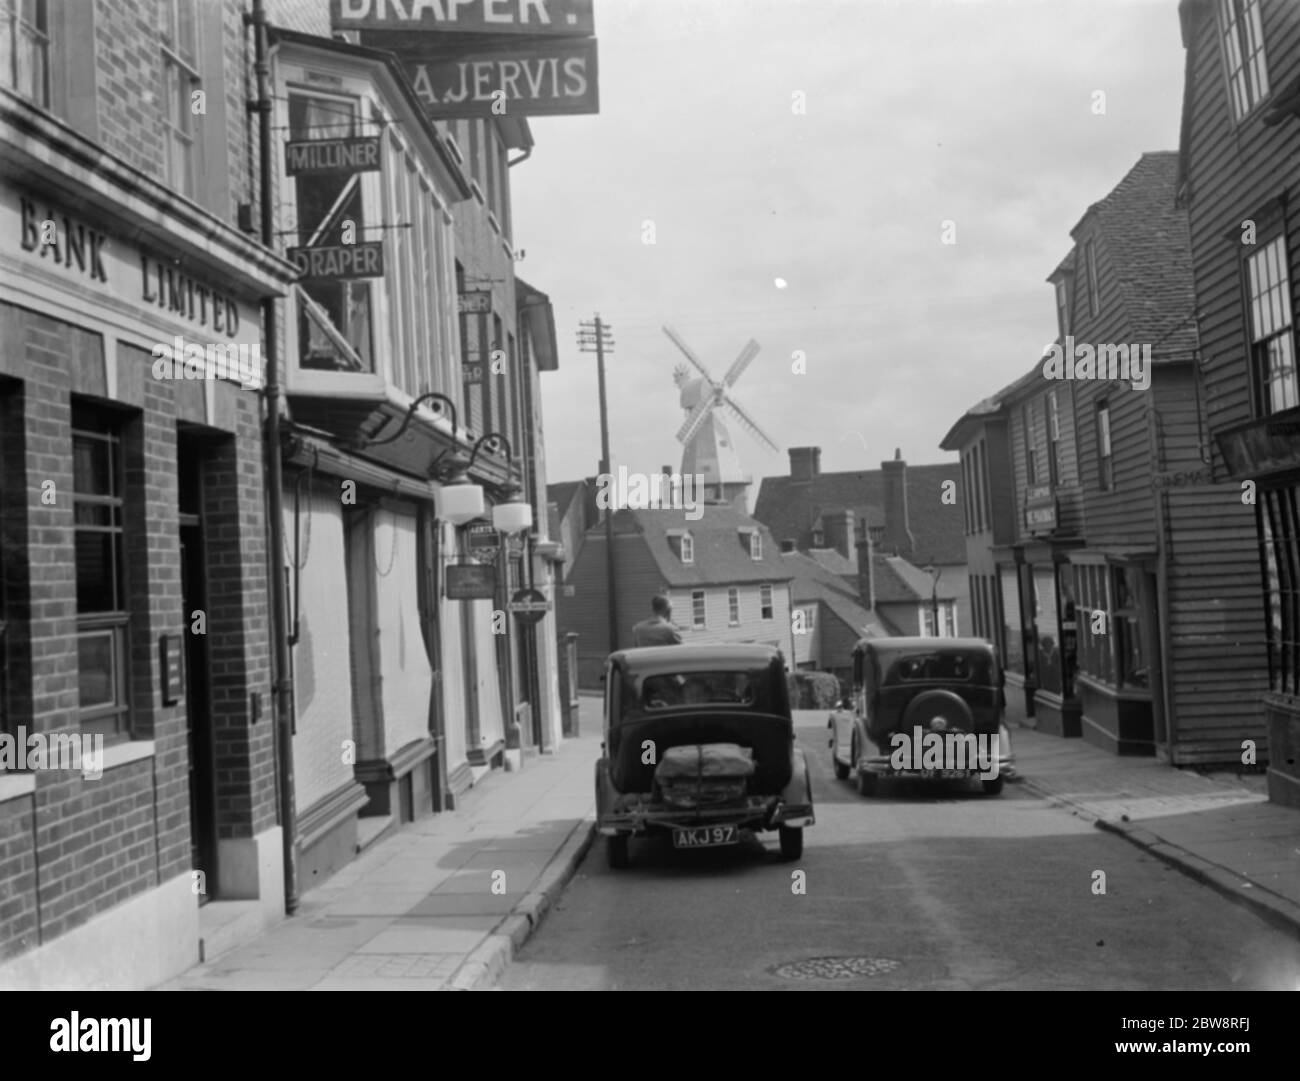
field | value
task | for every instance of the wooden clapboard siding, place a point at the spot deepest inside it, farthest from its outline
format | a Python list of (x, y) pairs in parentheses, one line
[(717, 629), (1216, 623), (1233, 170)]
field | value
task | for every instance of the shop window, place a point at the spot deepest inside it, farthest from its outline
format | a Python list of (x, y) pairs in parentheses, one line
[(102, 593), (765, 602), (1013, 647), (1095, 653), (1243, 54), (25, 49), (1271, 334), (1280, 536), (334, 327), (1111, 639), (180, 57)]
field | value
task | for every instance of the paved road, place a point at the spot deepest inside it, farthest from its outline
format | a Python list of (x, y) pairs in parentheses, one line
[(942, 889)]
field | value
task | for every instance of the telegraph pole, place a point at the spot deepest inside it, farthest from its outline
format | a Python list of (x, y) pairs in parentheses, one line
[(593, 336)]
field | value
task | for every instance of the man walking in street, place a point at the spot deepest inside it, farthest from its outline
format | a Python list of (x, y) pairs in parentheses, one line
[(659, 629)]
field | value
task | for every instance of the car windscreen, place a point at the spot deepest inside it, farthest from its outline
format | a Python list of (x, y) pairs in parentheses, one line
[(943, 666), (676, 689)]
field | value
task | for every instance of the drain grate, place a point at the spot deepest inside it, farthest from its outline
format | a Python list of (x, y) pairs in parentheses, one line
[(835, 968)]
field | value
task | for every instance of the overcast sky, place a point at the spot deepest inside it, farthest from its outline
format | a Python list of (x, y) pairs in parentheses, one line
[(980, 113)]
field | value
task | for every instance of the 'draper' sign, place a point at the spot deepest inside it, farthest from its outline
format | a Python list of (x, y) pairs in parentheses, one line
[(548, 79), (556, 18)]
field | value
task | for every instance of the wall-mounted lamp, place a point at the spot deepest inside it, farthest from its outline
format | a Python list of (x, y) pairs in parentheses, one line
[(513, 515), (459, 500), (441, 405)]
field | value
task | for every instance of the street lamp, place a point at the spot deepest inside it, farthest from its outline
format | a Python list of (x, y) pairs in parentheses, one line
[(935, 573)]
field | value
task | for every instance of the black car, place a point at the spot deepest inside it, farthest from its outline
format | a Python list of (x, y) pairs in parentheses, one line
[(923, 707), (699, 745)]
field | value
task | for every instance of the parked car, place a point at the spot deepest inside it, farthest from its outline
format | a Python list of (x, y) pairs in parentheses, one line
[(699, 745), (923, 707)]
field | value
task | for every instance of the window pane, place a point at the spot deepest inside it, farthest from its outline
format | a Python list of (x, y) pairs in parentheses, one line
[(97, 668), (96, 572)]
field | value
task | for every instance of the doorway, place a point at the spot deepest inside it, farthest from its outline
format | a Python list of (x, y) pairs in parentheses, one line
[(198, 710)]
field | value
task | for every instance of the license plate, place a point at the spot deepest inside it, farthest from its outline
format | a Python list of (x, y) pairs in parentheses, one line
[(944, 774), (705, 837)]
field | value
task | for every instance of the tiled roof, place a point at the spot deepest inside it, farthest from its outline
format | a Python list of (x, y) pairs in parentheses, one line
[(814, 582), (1149, 243), (899, 581), (790, 508), (719, 556), (831, 560)]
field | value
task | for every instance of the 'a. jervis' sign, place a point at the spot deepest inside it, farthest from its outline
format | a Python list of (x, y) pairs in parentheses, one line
[(559, 18), (548, 79), (476, 300), (338, 262), (315, 157)]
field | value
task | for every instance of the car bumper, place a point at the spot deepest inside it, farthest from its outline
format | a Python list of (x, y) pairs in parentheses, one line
[(882, 766), (756, 813)]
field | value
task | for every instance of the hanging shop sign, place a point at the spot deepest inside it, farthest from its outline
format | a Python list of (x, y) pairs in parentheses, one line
[(474, 301), (482, 541), (471, 582), (555, 78), (1040, 509), (340, 262), (332, 157), (551, 18)]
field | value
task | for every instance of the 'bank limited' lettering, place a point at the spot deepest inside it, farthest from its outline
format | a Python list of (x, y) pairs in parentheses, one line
[(73, 243)]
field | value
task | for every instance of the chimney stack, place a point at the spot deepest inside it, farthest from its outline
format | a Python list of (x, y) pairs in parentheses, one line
[(898, 533), (805, 463), (867, 573)]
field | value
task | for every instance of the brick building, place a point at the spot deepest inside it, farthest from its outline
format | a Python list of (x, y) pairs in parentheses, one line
[(132, 552)]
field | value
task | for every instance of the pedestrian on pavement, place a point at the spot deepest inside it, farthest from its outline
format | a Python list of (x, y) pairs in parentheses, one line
[(659, 630)]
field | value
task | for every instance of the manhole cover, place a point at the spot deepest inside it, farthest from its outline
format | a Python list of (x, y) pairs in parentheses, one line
[(835, 968)]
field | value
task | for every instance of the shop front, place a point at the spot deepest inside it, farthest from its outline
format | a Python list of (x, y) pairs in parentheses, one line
[(1118, 677)]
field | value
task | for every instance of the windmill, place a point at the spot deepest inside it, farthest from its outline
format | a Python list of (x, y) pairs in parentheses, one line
[(708, 449)]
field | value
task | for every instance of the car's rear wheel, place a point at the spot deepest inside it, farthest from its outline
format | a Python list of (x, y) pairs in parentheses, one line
[(616, 851), (992, 787), (866, 782), (791, 842)]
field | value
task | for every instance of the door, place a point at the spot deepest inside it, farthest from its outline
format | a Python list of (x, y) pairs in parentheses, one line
[(198, 716)]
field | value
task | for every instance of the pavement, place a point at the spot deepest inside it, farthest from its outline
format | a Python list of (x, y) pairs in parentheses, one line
[(445, 903)]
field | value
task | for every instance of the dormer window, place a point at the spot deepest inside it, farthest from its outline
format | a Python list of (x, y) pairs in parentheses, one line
[(755, 546), (819, 538), (688, 548), (1063, 306)]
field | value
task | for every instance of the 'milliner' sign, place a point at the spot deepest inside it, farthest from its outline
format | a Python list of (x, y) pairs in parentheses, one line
[(316, 157), (554, 17)]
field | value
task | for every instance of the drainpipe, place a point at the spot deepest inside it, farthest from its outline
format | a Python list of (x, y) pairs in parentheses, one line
[(1163, 700), (274, 473)]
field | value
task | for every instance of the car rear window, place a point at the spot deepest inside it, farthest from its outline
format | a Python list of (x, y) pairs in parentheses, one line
[(954, 667), (667, 691)]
